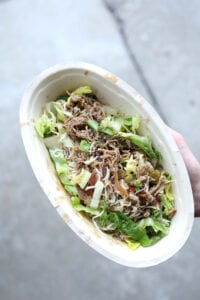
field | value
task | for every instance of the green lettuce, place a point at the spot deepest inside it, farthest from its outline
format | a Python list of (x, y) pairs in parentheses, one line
[(131, 124), (113, 123), (46, 126), (122, 223), (168, 201), (84, 146), (83, 90), (135, 124), (154, 226), (146, 232), (63, 97), (133, 245), (142, 142), (63, 170), (127, 121), (76, 203), (108, 131), (130, 168), (93, 124), (60, 111), (138, 184), (50, 123), (82, 178)]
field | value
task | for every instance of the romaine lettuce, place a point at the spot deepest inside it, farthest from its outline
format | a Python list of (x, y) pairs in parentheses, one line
[(82, 178), (168, 200), (83, 90), (84, 146), (76, 203), (130, 168), (114, 123), (93, 124), (135, 124), (133, 245), (146, 232), (63, 170), (46, 126), (142, 142)]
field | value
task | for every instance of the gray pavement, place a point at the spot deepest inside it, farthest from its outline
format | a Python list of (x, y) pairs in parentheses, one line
[(153, 45), (163, 40)]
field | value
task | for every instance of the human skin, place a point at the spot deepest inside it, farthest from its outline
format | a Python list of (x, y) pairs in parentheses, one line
[(193, 167)]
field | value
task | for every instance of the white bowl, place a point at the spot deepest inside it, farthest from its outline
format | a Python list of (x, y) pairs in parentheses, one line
[(115, 92)]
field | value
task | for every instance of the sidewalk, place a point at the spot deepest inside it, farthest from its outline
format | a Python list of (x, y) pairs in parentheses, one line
[(156, 49), (162, 39)]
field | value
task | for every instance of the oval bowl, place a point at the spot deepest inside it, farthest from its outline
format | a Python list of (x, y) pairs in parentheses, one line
[(115, 92)]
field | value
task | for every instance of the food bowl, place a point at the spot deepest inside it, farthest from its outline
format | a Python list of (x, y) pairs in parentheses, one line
[(115, 92)]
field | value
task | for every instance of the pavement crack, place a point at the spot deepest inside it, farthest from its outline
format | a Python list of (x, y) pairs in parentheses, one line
[(120, 25)]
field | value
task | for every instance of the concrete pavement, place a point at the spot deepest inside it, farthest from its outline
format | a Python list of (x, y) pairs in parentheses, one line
[(152, 46)]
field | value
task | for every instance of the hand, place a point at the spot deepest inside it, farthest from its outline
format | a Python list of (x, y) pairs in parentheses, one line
[(192, 166)]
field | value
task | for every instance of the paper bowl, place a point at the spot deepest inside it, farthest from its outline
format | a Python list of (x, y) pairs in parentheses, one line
[(115, 92)]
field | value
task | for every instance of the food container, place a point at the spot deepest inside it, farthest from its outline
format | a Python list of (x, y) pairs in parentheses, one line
[(115, 92)]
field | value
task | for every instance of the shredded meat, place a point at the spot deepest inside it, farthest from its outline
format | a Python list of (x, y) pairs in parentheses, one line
[(122, 190), (77, 127), (88, 106), (159, 187)]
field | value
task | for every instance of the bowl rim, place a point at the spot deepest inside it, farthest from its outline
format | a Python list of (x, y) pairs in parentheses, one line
[(146, 106)]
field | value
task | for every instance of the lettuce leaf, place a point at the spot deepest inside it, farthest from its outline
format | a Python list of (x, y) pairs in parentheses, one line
[(142, 142), (117, 124), (122, 223), (154, 226), (46, 126), (146, 232), (114, 123), (130, 169), (76, 203), (168, 201), (83, 90), (82, 178), (135, 124), (84, 146), (68, 185), (133, 245), (138, 184), (60, 111), (108, 131), (93, 124), (127, 121), (63, 170), (50, 123)]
